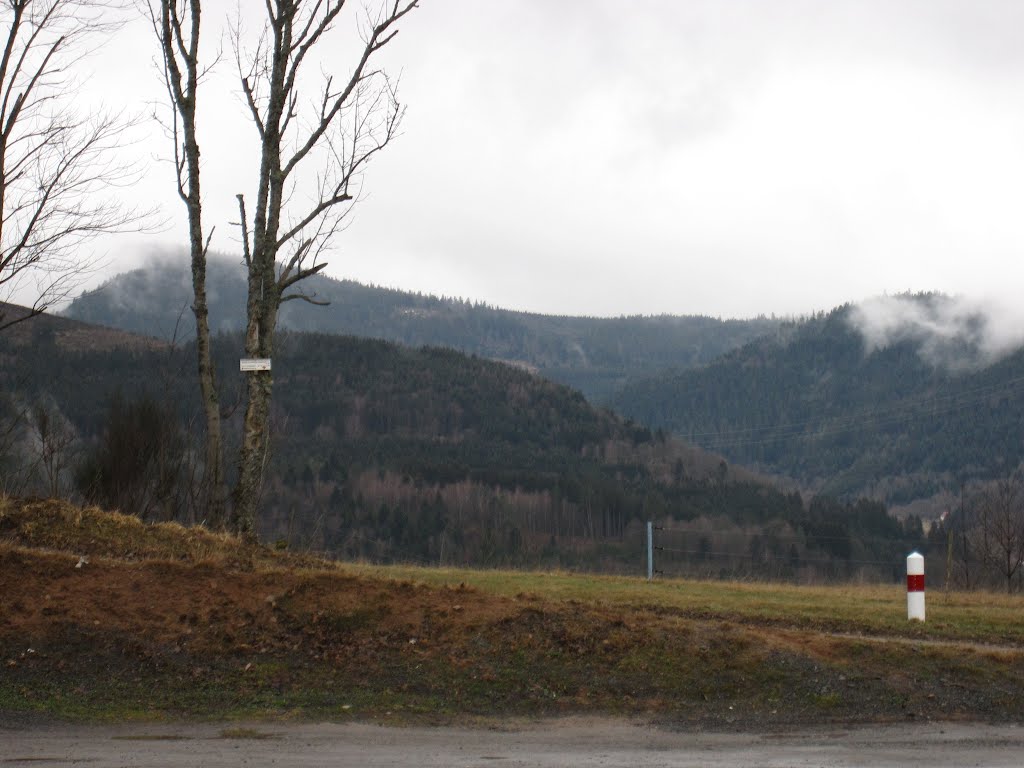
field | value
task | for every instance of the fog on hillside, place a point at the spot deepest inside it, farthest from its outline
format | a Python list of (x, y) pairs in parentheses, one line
[(954, 332)]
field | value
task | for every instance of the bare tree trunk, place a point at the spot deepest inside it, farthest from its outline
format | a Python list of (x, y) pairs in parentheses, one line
[(215, 488), (177, 27), (255, 435), (213, 479), (367, 118)]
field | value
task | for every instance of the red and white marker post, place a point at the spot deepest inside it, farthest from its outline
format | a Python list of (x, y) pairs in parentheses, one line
[(915, 587)]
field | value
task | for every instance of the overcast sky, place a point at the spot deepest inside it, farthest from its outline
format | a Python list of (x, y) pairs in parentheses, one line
[(723, 157)]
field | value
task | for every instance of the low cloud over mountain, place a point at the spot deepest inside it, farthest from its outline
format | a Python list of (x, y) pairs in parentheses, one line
[(955, 332)]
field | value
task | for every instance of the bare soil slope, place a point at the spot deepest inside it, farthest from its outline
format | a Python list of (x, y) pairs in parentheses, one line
[(164, 621)]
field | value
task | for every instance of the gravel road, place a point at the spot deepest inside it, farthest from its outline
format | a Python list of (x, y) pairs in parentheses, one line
[(571, 742)]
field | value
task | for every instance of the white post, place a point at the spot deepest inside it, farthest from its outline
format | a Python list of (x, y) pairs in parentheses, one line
[(650, 550), (915, 587)]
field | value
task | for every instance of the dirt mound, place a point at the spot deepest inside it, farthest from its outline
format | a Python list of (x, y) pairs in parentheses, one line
[(161, 620), (89, 531)]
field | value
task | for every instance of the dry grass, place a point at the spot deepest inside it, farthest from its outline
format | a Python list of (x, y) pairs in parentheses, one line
[(982, 617), (167, 620), (92, 532)]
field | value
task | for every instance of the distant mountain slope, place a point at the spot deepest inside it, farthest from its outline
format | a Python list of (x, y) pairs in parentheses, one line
[(384, 451), (69, 334), (815, 402), (593, 355)]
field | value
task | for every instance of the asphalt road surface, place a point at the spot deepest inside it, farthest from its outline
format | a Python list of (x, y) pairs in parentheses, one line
[(572, 742)]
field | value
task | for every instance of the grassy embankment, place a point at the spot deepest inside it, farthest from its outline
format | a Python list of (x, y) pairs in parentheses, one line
[(163, 621)]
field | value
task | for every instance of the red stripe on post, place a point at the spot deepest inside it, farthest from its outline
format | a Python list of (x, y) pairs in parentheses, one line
[(915, 583)]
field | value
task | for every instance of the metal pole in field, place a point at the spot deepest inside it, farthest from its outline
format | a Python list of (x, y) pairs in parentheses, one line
[(650, 550), (915, 587)]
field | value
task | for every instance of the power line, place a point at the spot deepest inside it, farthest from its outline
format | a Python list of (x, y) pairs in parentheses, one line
[(857, 421), (767, 559), (808, 537), (984, 390)]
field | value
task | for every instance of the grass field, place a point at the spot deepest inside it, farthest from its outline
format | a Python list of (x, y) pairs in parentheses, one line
[(164, 621), (981, 617)]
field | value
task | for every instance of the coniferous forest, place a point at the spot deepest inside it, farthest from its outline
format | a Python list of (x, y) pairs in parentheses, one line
[(387, 452), (594, 355), (907, 423)]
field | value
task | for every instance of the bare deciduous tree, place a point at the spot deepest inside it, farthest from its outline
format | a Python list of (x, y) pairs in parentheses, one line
[(15, 473), (1002, 521), (177, 27), (57, 164), (311, 159), (55, 440), (341, 130), (137, 464)]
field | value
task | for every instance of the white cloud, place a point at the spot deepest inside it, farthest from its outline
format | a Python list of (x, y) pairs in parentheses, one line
[(954, 332), (729, 158)]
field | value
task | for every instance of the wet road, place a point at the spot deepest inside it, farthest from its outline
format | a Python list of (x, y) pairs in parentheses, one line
[(572, 742)]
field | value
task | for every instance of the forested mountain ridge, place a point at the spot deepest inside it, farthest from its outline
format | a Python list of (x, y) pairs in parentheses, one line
[(594, 355), (68, 334), (388, 452), (817, 402)]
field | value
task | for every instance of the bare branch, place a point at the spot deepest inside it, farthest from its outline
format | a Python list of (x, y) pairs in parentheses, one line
[(308, 299), (373, 44), (338, 135), (321, 206), (57, 167), (246, 252)]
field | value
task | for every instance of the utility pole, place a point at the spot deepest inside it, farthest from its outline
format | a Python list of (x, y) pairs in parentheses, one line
[(650, 550)]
